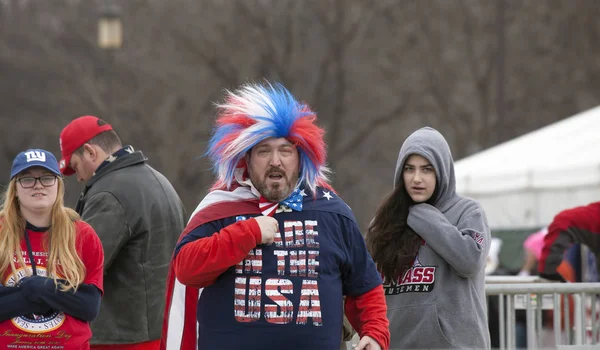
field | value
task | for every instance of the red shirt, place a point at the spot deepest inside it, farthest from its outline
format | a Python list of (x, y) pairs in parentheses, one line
[(147, 345), (54, 330)]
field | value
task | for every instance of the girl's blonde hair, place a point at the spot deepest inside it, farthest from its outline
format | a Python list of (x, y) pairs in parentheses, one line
[(63, 261)]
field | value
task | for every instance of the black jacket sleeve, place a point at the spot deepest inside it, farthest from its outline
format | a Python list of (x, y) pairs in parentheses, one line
[(15, 303), (83, 304)]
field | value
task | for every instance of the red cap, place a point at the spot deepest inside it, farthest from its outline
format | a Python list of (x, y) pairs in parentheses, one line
[(76, 134)]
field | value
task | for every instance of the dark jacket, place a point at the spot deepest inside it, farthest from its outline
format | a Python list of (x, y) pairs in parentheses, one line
[(138, 216)]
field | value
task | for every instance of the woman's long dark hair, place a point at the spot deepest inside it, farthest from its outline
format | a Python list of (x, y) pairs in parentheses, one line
[(391, 242)]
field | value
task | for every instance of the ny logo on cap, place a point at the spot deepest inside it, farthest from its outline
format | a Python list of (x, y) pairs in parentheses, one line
[(33, 156)]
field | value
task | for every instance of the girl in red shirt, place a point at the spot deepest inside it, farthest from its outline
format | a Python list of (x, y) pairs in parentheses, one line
[(50, 261)]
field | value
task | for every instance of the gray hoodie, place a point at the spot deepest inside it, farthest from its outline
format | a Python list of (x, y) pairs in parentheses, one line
[(440, 302)]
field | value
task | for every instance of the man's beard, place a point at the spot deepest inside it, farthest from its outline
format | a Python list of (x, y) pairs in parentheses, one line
[(277, 191)]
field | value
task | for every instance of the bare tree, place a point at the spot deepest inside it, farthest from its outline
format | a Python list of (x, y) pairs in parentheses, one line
[(373, 71)]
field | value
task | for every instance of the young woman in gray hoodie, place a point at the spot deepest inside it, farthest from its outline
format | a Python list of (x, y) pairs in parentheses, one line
[(430, 245)]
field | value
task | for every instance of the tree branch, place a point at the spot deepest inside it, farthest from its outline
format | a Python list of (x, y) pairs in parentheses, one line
[(358, 139)]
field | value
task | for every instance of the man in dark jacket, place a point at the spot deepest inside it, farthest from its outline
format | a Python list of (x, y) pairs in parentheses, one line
[(138, 217)]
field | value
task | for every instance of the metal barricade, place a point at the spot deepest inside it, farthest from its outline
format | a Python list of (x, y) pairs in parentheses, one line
[(578, 329)]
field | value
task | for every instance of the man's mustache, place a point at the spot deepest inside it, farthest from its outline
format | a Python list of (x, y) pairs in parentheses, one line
[(275, 170)]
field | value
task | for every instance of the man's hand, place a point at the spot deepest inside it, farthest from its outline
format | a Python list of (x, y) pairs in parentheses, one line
[(268, 227), (367, 343)]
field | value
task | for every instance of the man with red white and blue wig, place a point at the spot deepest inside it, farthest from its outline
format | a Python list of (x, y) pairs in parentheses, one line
[(269, 253)]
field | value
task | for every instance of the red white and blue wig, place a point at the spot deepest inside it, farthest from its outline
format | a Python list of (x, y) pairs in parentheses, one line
[(256, 112)]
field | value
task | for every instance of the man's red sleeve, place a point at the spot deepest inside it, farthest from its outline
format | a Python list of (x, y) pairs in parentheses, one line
[(576, 225), (199, 263), (367, 315)]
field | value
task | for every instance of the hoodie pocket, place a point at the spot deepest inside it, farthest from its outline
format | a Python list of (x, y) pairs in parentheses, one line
[(417, 327)]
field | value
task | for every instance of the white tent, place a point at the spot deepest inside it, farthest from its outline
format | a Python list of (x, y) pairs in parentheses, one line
[(525, 182)]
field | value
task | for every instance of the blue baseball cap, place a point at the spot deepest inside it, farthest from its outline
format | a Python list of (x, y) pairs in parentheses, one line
[(34, 157)]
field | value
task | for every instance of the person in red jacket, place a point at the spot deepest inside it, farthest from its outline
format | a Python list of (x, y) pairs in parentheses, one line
[(270, 252), (50, 261), (575, 225)]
